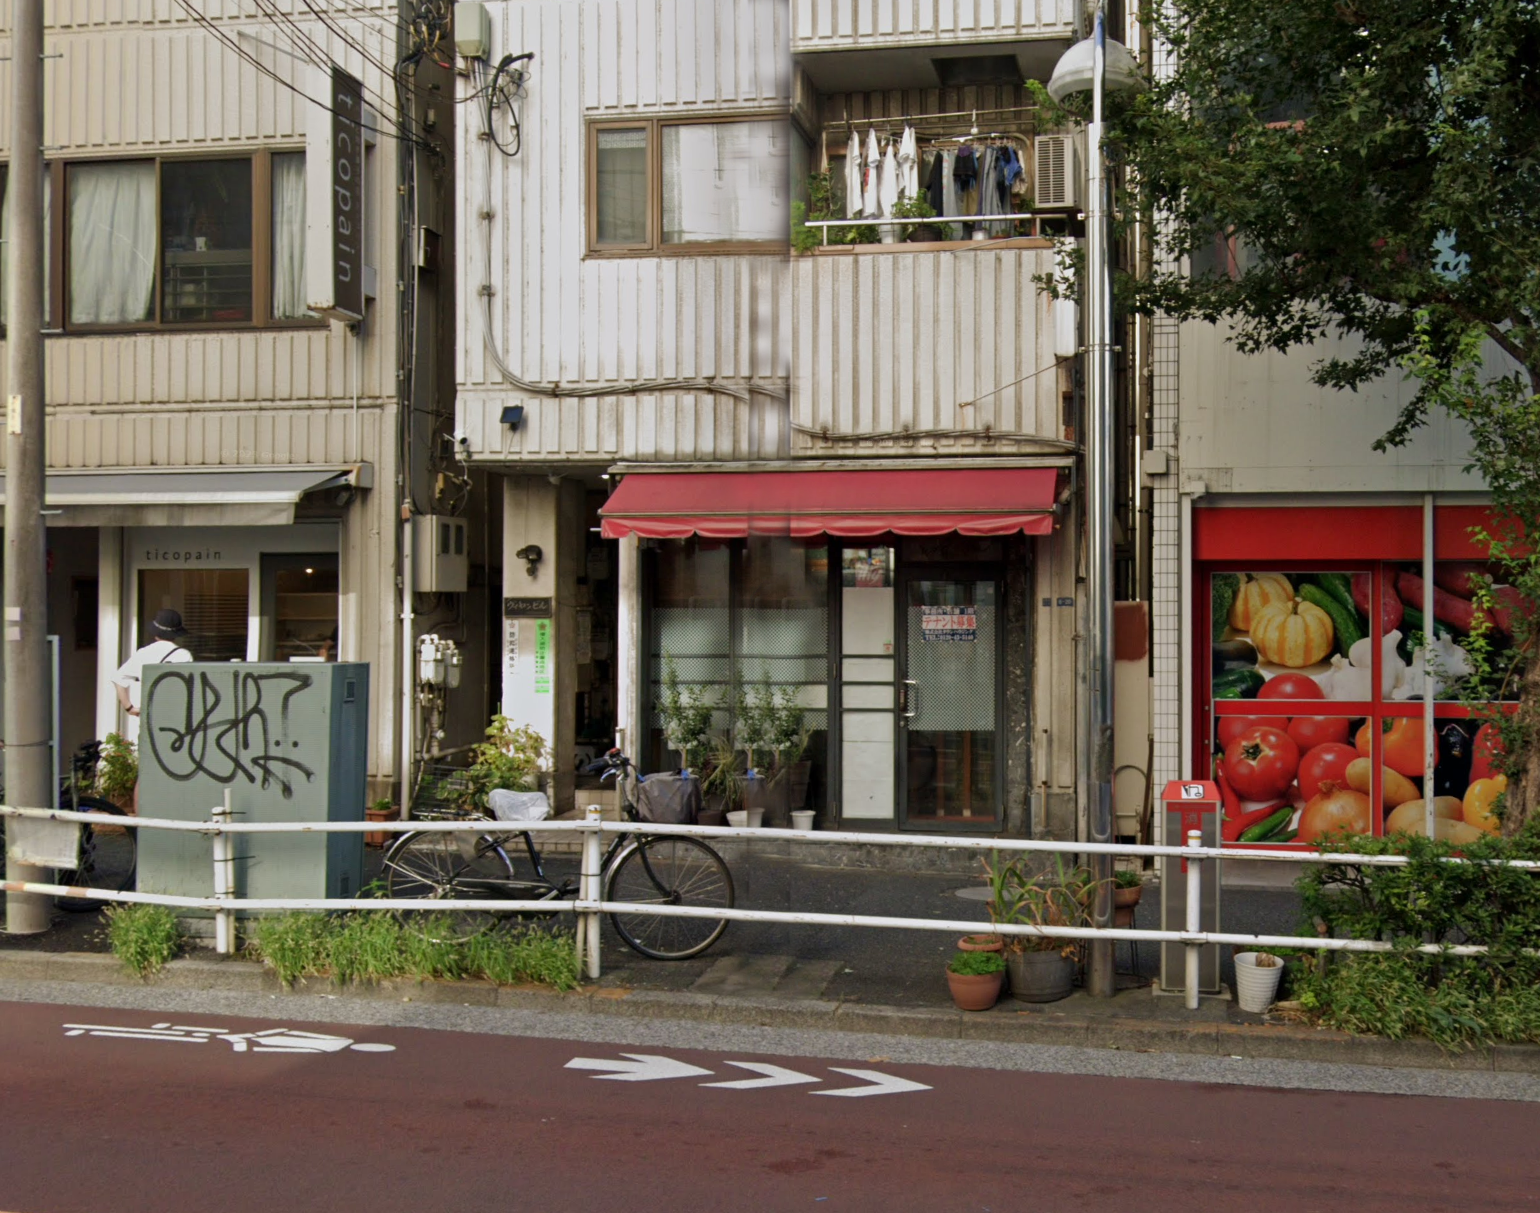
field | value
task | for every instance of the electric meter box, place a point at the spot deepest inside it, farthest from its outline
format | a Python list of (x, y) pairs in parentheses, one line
[(441, 562), (290, 743), (473, 30)]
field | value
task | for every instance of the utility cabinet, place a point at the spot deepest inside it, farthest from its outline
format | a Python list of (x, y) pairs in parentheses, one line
[(290, 742)]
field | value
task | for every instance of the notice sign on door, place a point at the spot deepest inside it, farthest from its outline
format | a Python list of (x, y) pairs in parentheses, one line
[(949, 623)]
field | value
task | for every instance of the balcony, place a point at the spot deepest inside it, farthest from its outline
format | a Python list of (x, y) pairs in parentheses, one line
[(843, 25), (924, 348)]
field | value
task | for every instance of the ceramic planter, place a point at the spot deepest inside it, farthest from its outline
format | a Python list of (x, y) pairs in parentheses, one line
[(974, 991), (1256, 986), (1123, 903), (771, 798), (1040, 976)]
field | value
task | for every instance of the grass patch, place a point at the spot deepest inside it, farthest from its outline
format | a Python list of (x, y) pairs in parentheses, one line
[(373, 946), (143, 937)]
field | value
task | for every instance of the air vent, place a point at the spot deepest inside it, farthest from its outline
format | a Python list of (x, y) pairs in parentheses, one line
[(1055, 172), (969, 71)]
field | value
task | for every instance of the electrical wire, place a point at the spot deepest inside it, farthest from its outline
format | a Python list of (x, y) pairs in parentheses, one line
[(739, 389)]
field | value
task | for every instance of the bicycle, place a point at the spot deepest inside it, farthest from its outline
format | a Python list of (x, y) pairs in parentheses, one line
[(640, 869), (108, 856)]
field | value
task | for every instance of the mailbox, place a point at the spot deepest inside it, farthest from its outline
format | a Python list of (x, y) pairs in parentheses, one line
[(1191, 804)]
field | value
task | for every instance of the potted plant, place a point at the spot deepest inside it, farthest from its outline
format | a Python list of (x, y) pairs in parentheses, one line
[(512, 756), (751, 732), (380, 810), (1257, 975), (685, 714), (788, 738), (975, 979), (1042, 968), (820, 205), (1127, 889), (982, 942), (117, 773), (722, 783), (918, 208)]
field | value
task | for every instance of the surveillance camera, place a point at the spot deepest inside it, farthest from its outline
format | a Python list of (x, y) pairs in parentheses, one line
[(463, 441)]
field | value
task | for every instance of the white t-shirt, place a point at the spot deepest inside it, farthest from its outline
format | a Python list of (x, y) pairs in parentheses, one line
[(157, 652)]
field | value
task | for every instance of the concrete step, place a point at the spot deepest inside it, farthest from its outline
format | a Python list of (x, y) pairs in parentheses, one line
[(743, 975)]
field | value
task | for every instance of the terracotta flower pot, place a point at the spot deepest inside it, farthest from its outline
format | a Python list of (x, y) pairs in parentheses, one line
[(975, 991), (378, 838), (980, 943), (1123, 903)]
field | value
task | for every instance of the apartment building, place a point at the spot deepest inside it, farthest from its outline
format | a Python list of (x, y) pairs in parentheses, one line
[(842, 475), (215, 446)]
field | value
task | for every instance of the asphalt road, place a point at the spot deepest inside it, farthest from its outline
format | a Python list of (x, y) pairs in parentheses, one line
[(229, 1112)]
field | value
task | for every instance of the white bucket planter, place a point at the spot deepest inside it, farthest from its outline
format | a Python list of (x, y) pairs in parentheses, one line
[(756, 818), (738, 818), (1256, 986), (802, 819)]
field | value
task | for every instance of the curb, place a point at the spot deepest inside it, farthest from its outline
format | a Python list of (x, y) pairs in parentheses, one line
[(1003, 1025)]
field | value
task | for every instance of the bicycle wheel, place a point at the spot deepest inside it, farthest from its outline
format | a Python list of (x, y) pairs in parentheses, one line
[(444, 867), (670, 871), (108, 857)]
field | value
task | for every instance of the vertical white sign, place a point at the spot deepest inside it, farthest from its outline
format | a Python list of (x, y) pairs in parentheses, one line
[(528, 674)]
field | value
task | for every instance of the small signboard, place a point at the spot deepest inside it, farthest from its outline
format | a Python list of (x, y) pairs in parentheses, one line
[(527, 608), (958, 623)]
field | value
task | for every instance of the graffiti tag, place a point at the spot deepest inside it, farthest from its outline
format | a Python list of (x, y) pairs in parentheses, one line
[(227, 727)]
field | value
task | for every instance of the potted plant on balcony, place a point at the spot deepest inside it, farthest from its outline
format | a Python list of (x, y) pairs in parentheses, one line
[(820, 205), (918, 208), (1041, 968)]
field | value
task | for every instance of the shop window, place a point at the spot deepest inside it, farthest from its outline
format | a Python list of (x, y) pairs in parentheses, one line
[(689, 186), (174, 242), (1315, 698), (215, 606), (300, 607)]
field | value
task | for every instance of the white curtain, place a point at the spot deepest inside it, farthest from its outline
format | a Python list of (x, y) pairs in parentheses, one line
[(726, 181), (5, 249), (289, 236), (112, 242)]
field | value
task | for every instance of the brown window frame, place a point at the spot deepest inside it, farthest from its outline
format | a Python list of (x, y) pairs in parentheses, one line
[(654, 246), (261, 249)]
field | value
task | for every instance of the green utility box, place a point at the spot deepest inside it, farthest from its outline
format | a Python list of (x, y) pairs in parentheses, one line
[(289, 741)]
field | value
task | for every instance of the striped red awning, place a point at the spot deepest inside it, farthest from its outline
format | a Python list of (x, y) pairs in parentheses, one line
[(728, 505)]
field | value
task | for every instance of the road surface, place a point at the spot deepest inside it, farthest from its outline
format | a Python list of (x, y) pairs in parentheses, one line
[(125, 1110)]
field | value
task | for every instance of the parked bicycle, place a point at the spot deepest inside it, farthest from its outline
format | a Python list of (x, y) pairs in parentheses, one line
[(638, 868), (108, 855)]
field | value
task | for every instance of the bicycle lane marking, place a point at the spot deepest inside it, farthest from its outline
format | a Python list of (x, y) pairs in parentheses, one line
[(289, 1041), (653, 1067)]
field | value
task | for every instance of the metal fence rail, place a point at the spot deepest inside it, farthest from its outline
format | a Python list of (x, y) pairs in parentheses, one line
[(590, 902)]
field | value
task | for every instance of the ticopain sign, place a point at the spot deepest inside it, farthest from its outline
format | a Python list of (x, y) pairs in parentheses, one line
[(335, 248)]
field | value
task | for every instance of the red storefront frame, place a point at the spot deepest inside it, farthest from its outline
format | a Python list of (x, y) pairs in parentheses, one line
[(1318, 539)]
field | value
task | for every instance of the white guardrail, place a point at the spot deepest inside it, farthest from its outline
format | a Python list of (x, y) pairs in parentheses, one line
[(590, 904)]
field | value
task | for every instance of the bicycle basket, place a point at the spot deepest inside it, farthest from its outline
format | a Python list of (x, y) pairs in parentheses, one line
[(507, 805), (443, 791), (668, 799)]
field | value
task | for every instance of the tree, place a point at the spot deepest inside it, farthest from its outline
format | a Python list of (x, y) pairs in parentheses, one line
[(1376, 164)]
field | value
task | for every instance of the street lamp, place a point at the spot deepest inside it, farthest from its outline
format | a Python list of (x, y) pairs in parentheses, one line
[(1098, 64)]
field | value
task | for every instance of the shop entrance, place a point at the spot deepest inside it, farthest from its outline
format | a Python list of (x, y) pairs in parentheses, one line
[(949, 697)]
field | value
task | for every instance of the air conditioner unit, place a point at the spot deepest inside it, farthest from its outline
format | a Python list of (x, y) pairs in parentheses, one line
[(1056, 173)]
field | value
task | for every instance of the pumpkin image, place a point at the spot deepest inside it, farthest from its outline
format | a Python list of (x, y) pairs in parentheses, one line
[(1260, 591), (1292, 633)]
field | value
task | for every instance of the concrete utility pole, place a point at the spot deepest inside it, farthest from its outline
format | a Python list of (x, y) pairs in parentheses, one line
[(28, 768)]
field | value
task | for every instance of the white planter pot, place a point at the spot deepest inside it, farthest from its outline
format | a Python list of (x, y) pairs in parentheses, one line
[(802, 819), (738, 818), (756, 818), (1256, 987)]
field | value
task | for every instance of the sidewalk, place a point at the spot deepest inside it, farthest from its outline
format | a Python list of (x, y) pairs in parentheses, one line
[(844, 979)]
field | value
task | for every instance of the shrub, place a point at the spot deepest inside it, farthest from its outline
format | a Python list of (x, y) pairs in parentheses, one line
[(118, 772), (143, 937), (511, 757)]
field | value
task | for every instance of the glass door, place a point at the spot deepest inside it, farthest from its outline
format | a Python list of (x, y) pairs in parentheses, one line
[(949, 752)]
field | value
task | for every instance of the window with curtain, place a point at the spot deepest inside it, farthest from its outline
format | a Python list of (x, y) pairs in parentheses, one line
[(289, 237), (112, 223), (620, 186), (5, 246), (726, 181)]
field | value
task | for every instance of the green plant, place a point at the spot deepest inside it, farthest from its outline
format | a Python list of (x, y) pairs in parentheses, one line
[(803, 238), (751, 723), (383, 805), (512, 756), (723, 777), (143, 937), (685, 714), (820, 205), (1127, 878), (976, 964), (373, 946), (118, 772), (1060, 897), (912, 208)]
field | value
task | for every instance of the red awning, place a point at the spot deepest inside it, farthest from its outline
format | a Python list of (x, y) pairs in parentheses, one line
[(727, 505)]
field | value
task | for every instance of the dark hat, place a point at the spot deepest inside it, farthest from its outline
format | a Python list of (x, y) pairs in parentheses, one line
[(168, 623)]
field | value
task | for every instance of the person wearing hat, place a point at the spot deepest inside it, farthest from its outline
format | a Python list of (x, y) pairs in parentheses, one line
[(165, 629)]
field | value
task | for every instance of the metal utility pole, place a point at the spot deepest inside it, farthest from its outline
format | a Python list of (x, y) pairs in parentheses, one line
[(27, 694), (1101, 979)]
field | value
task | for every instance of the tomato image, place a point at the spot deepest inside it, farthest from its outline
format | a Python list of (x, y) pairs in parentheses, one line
[(1291, 686), (1402, 743), (1479, 799), (1311, 731), (1261, 763), (1231, 727), (1326, 762), (1486, 753)]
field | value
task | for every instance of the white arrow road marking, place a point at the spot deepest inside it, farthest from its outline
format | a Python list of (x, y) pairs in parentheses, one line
[(643, 1067), (882, 1084), (774, 1076)]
